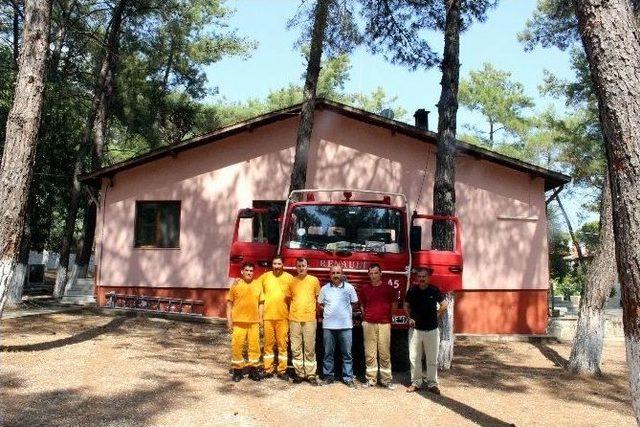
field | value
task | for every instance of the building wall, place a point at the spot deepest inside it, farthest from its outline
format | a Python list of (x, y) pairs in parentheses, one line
[(501, 210), (213, 182)]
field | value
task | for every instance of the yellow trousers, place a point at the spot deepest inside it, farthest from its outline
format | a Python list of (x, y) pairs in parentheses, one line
[(275, 335), (242, 333)]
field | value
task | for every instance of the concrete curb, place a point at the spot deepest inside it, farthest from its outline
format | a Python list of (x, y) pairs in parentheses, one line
[(533, 338), (167, 316)]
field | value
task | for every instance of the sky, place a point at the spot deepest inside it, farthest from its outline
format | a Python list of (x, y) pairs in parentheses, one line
[(276, 63)]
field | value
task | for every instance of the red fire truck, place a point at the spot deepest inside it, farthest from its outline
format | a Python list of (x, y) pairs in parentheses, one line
[(353, 228)]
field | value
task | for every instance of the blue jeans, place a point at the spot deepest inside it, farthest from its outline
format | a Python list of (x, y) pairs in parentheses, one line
[(344, 339)]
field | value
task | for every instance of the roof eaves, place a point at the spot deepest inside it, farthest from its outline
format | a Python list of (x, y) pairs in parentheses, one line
[(552, 179), (172, 150)]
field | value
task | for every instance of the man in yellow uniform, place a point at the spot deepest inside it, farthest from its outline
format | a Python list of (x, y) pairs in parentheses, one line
[(304, 292), (275, 287), (244, 315)]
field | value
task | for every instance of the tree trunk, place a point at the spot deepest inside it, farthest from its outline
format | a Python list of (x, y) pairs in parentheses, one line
[(444, 195), (104, 77), (303, 140), (16, 33), (14, 294), (586, 352), (610, 36), (60, 38), (447, 338), (490, 133), (574, 240), (18, 158), (81, 265)]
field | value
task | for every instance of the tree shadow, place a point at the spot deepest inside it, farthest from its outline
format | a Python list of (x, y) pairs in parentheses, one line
[(87, 335), (551, 355), (465, 411), (481, 366), (9, 380), (77, 406)]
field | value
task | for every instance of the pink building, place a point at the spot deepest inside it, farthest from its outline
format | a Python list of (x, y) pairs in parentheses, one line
[(166, 218)]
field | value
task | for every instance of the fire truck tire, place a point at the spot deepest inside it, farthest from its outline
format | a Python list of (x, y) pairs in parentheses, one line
[(400, 350)]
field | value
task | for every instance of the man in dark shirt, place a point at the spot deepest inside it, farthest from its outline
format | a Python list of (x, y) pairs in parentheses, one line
[(421, 306), (377, 300)]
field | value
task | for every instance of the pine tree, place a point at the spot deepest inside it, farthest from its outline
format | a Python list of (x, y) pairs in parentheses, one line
[(23, 123), (610, 36)]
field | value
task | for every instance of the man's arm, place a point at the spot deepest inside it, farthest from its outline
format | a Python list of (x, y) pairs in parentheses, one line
[(407, 312), (353, 296), (320, 298), (229, 322)]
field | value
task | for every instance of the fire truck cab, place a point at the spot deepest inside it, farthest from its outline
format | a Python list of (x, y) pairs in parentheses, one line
[(333, 226)]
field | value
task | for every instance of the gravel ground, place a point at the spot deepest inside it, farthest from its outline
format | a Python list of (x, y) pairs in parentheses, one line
[(86, 369)]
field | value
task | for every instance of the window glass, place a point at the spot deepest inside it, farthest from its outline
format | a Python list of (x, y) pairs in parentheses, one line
[(157, 224), (346, 228), (256, 228)]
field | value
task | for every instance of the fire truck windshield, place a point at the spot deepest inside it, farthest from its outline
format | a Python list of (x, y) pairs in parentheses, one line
[(346, 228)]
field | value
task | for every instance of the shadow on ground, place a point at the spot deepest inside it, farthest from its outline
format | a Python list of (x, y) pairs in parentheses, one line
[(87, 335), (465, 411), (483, 365), (77, 406), (187, 347)]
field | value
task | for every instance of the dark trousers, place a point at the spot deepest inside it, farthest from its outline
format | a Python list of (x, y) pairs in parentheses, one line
[(344, 339)]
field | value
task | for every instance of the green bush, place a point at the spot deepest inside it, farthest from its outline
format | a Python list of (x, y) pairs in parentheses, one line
[(571, 284)]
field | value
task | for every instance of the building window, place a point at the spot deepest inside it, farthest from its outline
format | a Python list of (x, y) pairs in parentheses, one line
[(157, 224)]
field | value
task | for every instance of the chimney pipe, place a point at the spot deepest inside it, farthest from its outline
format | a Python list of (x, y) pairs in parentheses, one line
[(422, 119)]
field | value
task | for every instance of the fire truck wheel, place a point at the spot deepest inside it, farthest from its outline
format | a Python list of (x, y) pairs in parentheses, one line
[(400, 350)]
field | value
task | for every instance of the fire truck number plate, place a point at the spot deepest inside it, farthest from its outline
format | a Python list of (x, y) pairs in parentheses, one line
[(401, 320)]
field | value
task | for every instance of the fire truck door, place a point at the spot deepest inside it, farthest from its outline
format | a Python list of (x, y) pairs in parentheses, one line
[(255, 239)]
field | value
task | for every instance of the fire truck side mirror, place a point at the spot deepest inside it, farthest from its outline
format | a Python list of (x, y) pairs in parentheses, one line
[(415, 238)]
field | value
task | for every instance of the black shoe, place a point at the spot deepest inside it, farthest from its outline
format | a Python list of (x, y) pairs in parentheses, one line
[(314, 381), (283, 377), (254, 374), (434, 389), (298, 380), (237, 375), (350, 383), (267, 375), (329, 380)]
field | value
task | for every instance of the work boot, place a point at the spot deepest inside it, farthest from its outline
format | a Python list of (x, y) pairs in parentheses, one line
[(284, 376), (434, 389), (254, 374), (350, 383), (314, 381), (237, 375)]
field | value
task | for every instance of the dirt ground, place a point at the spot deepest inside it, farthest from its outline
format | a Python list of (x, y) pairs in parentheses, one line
[(88, 369)]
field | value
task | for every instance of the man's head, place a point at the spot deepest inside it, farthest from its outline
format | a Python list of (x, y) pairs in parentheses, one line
[(422, 276), (335, 274), (301, 266), (247, 271), (277, 265), (375, 273)]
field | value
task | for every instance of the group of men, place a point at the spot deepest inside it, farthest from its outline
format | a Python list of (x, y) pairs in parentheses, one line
[(286, 306)]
